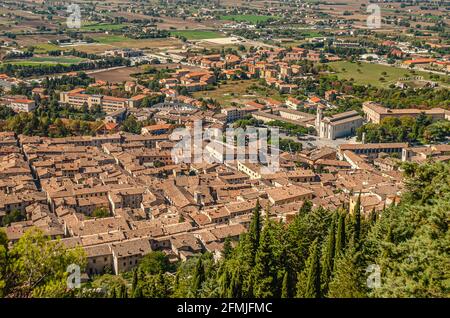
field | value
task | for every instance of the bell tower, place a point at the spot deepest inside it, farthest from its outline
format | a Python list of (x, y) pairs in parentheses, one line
[(319, 118)]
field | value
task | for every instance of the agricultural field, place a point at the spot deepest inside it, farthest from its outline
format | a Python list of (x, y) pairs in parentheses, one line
[(250, 18), (50, 60), (197, 34), (108, 42), (239, 92), (47, 47), (118, 75), (102, 27), (368, 73)]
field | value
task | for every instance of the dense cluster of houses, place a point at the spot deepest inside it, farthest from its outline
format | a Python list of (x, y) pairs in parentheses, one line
[(149, 202)]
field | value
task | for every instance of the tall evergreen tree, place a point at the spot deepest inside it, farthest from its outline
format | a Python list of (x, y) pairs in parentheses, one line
[(340, 235), (135, 281), (254, 233), (123, 293), (308, 285), (348, 278), (306, 207), (235, 290), (198, 277), (286, 289), (224, 283), (357, 220), (328, 256), (264, 265), (227, 248), (137, 293)]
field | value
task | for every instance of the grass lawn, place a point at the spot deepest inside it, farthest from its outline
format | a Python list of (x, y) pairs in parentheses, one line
[(102, 27), (36, 64), (197, 34), (50, 60), (371, 73), (107, 39), (251, 18), (238, 92), (46, 47)]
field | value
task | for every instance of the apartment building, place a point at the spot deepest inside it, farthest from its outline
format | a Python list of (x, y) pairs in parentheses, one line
[(375, 113), (18, 103), (78, 98), (372, 150)]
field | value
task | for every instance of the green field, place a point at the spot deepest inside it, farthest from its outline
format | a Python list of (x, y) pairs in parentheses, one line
[(197, 34), (50, 60), (107, 39), (102, 27), (239, 92), (248, 18), (367, 73), (46, 47)]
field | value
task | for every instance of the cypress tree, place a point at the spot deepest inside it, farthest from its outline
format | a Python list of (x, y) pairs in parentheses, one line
[(357, 220), (227, 248), (308, 285), (235, 290), (137, 293), (254, 233), (306, 207), (286, 286), (123, 293), (224, 284), (135, 281), (264, 265), (198, 278), (373, 216), (347, 281), (328, 256), (340, 235)]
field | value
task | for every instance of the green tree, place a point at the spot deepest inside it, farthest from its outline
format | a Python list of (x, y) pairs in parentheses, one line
[(36, 265), (155, 262), (264, 269), (348, 278), (340, 234), (227, 248), (253, 235), (357, 220), (131, 125), (328, 256), (308, 285), (198, 278), (100, 212)]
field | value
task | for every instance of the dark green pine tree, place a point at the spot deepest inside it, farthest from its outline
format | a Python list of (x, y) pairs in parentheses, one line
[(286, 288), (373, 216), (137, 293), (235, 290), (135, 281), (254, 234), (348, 277), (328, 256), (227, 248), (198, 278), (224, 284), (340, 234), (306, 207), (123, 293), (308, 285), (264, 265), (357, 221)]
